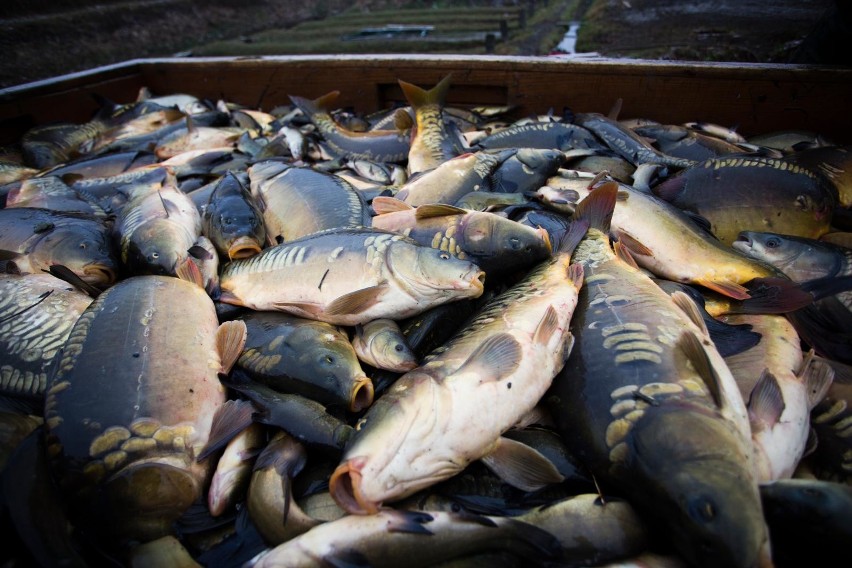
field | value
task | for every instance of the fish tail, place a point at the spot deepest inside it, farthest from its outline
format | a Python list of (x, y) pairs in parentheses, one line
[(312, 107), (774, 296), (418, 97), (572, 238), (598, 206)]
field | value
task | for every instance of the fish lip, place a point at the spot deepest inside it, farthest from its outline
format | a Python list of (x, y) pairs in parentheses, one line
[(742, 243), (546, 238), (475, 281), (345, 487), (243, 247), (99, 275), (362, 394)]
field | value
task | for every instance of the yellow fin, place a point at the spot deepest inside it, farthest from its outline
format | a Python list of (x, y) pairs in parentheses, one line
[(438, 210), (727, 288)]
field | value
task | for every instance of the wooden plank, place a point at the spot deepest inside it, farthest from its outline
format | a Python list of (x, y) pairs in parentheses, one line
[(755, 98), (64, 99)]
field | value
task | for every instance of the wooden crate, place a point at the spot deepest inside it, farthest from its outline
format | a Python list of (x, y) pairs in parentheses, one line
[(754, 98)]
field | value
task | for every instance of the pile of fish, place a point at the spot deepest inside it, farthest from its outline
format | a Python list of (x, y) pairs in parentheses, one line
[(427, 336)]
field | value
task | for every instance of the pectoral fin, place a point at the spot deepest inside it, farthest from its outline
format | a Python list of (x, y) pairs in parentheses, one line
[(230, 341), (521, 466), (691, 346), (766, 402), (232, 418), (497, 358), (632, 244), (357, 301)]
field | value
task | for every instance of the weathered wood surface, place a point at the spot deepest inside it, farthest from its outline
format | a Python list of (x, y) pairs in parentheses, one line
[(754, 98)]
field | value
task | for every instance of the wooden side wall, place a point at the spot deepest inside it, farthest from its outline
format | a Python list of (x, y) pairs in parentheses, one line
[(754, 98)]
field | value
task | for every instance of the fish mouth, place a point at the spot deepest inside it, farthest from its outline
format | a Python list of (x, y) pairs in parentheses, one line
[(743, 242), (244, 247), (99, 275), (545, 236), (345, 487), (476, 281), (362, 395)]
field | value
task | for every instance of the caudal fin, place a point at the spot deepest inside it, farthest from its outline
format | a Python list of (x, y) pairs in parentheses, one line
[(598, 206)]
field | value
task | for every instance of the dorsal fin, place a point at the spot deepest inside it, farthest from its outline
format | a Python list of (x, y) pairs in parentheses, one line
[(688, 306), (438, 210), (383, 204), (598, 206), (616, 109), (691, 346)]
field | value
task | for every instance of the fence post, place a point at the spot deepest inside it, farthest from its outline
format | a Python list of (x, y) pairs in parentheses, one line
[(490, 42)]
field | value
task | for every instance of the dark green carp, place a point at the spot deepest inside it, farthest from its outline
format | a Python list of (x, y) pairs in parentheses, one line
[(306, 357), (545, 135), (494, 243), (648, 404), (299, 201), (37, 312), (627, 143), (378, 145), (232, 221), (753, 194), (131, 402), (35, 239)]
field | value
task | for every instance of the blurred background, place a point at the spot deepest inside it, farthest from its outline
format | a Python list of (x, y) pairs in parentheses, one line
[(45, 38)]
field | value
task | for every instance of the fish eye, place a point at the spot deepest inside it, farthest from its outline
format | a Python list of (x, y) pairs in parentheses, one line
[(515, 243), (773, 242), (397, 348), (83, 246), (444, 256), (155, 255), (801, 201), (702, 509), (329, 359)]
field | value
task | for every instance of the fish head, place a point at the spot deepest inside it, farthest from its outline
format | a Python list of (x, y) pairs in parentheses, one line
[(692, 474), (85, 251), (155, 248), (541, 161), (396, 451), (389, 350), (242, 233), (799, 258), (503, 241), (331, 361), (431, 273)]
